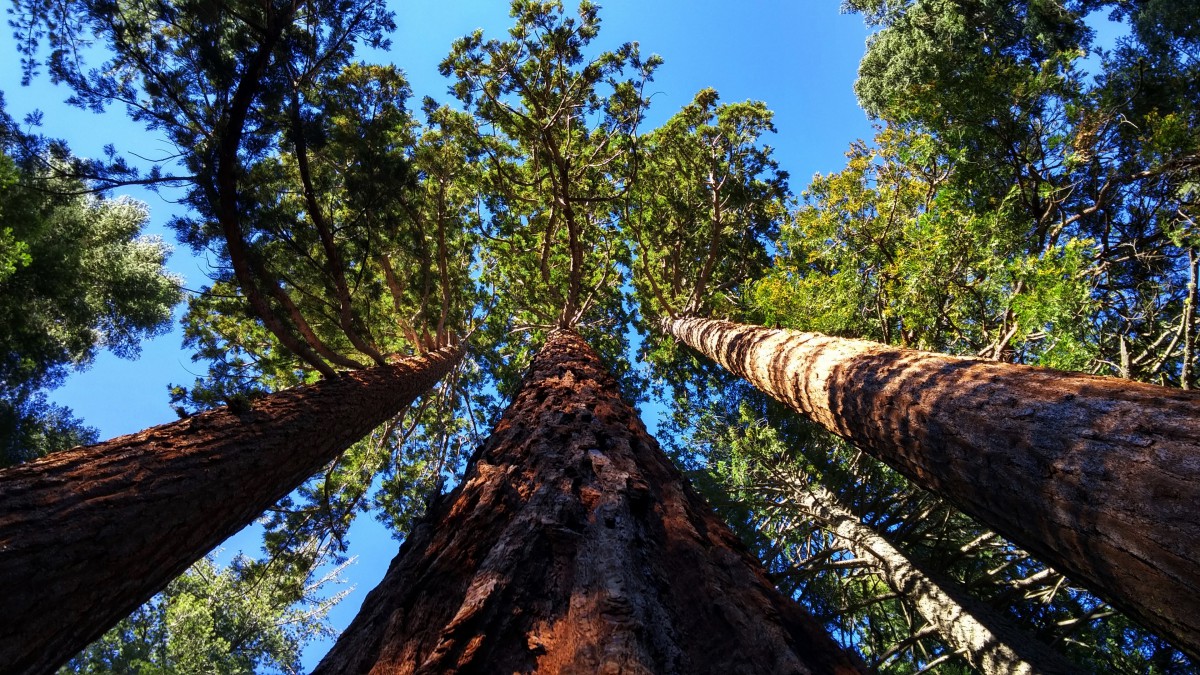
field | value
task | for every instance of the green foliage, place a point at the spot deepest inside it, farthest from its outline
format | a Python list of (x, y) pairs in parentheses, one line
[(559, 123), (247, 617), (341, 231), (708, 197), (1009, 207), (31, 427), (988, 52), (1105, 162), (88, 281), (890, 249), (76, 276)]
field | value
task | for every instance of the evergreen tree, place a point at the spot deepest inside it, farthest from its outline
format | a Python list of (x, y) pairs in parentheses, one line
[(938, 419), (568, 512), (879, 583), (229, 86), (76, 276), (241, 618), (1005, 211), (572, 544), (103, 527)]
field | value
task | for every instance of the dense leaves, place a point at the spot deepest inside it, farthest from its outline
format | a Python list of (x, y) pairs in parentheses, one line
[(76, 276), (1107, 162), (245, 617), (999, 212), (558, 125), (1027, 198), (890, 249), (1006, 210), (708, 196)]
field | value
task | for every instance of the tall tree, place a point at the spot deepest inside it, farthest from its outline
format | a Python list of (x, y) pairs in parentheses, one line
[(745, 452), (987, 641), (1111, 458), (573, 544), (96, 531), (926, 240), (556, 550), (785, 499), (342, 272), (268, 112)]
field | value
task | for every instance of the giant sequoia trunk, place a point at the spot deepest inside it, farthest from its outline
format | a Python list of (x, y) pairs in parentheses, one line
[(88, 534), (988, 640), (573, 545), (1096, 476)]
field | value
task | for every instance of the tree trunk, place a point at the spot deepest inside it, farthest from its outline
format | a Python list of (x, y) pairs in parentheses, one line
[(89, 534), (1095, 476), (573, 545), (988, 640)]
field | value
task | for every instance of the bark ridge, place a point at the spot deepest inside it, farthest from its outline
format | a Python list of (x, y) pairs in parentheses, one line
[(89, 534), (1096, 476), (574, 545)]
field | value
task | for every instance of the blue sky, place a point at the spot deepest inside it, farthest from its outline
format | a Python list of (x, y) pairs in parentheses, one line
[(798, 57)]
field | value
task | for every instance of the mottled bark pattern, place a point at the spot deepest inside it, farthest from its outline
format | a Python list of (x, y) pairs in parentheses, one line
[(88, 534), (574, 546), (988, 640), (1096, 476)]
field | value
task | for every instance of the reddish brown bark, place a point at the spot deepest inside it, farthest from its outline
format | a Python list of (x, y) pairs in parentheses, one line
[(88, 534), (573, 545), (1098, 477)]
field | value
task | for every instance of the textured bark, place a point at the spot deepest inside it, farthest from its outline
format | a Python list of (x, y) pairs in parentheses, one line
[(88, 534), (989, 641), (1098, 477), (573, 545)]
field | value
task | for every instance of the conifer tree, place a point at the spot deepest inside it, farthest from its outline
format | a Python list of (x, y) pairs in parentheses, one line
[(1005, 211), (571, 543), (308, 286), (76, 276)]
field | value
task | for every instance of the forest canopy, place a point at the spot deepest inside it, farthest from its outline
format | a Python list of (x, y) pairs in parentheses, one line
[(1027, 198)]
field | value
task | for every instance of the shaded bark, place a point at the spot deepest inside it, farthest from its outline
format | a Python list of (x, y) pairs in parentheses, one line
[(1098, 477), (89, 534), (573, 545), (988, 640)]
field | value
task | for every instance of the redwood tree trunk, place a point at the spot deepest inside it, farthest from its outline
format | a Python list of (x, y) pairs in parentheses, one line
[(1098, 477), (988, 640), (89, 534), (573, 545)]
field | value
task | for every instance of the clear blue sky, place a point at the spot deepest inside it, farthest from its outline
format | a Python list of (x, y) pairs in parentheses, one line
[(798, 57)]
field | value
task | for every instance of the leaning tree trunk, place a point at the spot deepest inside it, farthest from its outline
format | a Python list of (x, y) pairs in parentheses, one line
[(986, 639), (1098, 477), (88, 534), (573, 545)]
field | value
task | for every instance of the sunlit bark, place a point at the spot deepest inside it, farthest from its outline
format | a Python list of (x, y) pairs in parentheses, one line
[(1098, 477), (574, 546)]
